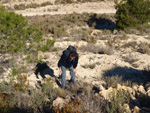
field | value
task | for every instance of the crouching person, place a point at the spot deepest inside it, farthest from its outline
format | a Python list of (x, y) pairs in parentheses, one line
[(68, 60)]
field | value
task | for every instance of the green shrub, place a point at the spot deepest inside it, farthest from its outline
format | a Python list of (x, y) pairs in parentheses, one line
[(47, 46), (15, 33), (20, 7), (21, 83), (117, 99), (132, 13), (48, 89)]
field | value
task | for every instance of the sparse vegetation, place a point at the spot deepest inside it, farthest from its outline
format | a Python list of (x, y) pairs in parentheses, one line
[(32, 5), (112, 81), (21, 42), (117, 100), (73, 106), (130, 58), (18, 97), (91, 66), (74, 25), (100, 49)]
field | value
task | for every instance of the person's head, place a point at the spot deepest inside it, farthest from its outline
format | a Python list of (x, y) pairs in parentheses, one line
[(73, 54)]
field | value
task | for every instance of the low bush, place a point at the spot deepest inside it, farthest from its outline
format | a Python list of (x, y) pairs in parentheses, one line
[(117, 100), (92, 103), (4, 104), (74, 106), (131, 13), (18, 96), (46, 46), (15, 33)]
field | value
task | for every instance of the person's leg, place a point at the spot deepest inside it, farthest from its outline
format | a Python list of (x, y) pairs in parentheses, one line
[(63, 76), (72, 74)]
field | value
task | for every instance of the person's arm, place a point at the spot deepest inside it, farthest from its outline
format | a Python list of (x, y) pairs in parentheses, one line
[(62, 59), (75, 62)]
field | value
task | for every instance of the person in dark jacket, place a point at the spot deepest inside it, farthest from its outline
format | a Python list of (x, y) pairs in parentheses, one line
[(68, 60)]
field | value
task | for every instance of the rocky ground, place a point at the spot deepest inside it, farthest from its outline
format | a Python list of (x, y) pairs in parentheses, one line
[(125, 55)]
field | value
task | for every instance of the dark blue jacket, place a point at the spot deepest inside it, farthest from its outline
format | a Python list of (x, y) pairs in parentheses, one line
[(66, 61)]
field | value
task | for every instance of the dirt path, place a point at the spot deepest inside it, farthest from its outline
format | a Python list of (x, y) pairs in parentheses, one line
[(89, 7)]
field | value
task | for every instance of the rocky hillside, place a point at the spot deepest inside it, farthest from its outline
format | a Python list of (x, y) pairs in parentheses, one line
[(113, 73)]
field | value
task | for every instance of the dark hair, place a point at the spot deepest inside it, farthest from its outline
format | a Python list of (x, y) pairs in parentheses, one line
[(73, 53)]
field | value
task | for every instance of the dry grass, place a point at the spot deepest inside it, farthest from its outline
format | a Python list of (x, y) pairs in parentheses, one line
[(112, 81), (130, 58), (32, 5), (144, 48), (73, 25), (99, 49), (91, 66), (93, 104)]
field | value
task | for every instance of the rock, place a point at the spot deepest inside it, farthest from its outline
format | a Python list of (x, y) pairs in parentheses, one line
[(101, 87), (119, 87), (125, 88), (96, 32), (105, 93), (136, 109), (141, 89), (148, 93), (129, 90), (135, 88), (126, 108), (147, 86), (60, 102), (115, 32)]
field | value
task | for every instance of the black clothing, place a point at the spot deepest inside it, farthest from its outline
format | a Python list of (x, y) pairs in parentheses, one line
[(66, 61)]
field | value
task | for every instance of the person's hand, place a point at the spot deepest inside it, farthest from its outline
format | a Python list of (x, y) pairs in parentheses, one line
[(74, 70), (60, 71)]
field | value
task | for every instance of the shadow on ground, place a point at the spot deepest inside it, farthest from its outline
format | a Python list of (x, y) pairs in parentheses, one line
[(101, 23), (43, 69), (129, 74)]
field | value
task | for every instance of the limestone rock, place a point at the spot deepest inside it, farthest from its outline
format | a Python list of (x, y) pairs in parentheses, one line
[(101, 87), (119, 87), (135, 88), (115, 32), (147, 86), (141, 89), (60, 102), (129, 90), (136, 109), (148, 93), (126, 108), (105, 93)]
